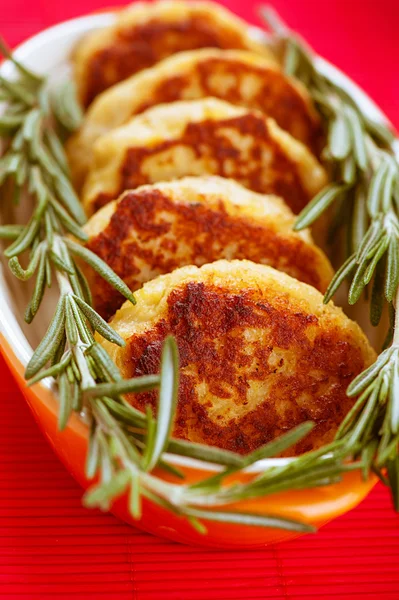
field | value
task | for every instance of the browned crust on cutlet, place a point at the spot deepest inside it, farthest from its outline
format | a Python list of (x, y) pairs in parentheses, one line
[(277, 96), (207, 138), (143, 45), (209, 323), (197, 235)]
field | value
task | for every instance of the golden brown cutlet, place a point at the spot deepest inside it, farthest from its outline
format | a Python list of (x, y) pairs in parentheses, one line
[(196, 220), (259, 353), (208, 136), (145, 33)]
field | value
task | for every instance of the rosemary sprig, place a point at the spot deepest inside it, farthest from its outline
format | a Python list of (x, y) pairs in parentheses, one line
[(365, 176), (365, 182)]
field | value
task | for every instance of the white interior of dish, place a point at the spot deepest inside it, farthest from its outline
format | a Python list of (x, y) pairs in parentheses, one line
[(47, 53)]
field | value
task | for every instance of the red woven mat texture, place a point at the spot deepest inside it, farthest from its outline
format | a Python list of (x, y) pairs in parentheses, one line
[(51, 547)]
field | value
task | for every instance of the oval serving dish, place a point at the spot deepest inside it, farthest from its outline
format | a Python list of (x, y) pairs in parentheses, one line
[(47, 53)]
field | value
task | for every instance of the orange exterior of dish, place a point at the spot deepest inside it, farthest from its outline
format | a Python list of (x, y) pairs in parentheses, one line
[(316, 506)]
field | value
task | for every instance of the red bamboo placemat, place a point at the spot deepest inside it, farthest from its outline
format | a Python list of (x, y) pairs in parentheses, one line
[(51, 547)]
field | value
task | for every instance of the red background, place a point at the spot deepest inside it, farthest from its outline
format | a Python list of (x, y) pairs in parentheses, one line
[(50, 547)]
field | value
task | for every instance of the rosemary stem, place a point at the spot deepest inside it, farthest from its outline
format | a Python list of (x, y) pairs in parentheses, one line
[(87, 379), (395, 341), (63, 281), (66, 288), (169, 491)]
